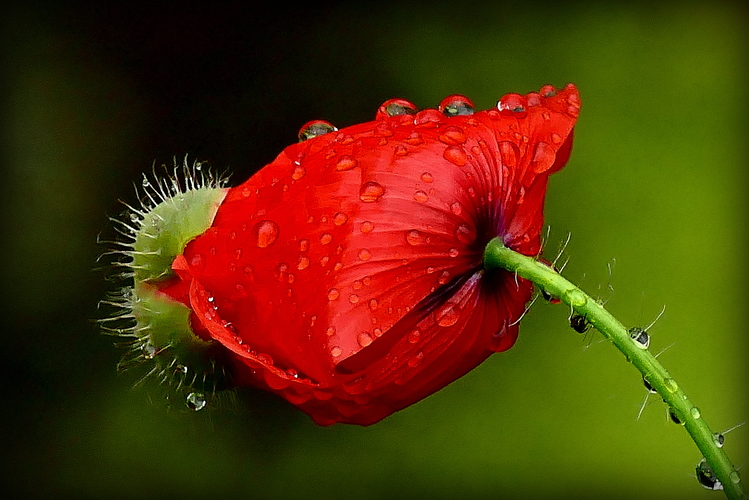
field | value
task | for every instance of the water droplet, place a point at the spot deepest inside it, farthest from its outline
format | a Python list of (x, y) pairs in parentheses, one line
[(303, 263), (333, 294), (427, 177), (340, 219), (346, 163), (298, 172), (149, 350), (414, 139), (373, 304), (414, 237), (330, 331), (452, 136), (414, 336), (548, 91), (465, 234), (512, 103), (196, 401), (706, 476), (282, 271), (324, 260), (448, 315), (315, 128), (455, 155), (237, 253), (353, 298), (366, 227), (416, 360), (197, 261), (453, 252), (734, 477), (544, 157), (509, 153), (303, 245), (396, 107), (456, 105), (365, 254), (265, 233), (556, 138), (364, 339), (719, 439), (647, 385), (401, 150), (335, 351), (371, 192), (579, 323), (640, 337), (429, 118), (326, 238), (575, 297), (382, 130), (695, 412), (421, 196), (456, 209)]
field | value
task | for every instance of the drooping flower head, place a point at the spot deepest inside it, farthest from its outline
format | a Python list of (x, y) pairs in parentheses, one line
[(347, 276)]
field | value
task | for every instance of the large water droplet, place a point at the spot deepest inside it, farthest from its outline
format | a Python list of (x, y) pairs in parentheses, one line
[(456, 105), (706, 476), (448, 315), (421, 196), (396, 107), (414, 237), (265, 232), (415, 139), (512, 103), (335, 351), (364, 339), (346, 163), (315, 128), (455, 155), (465, 234), (371, 192), (427, 177), (543, 157), (509, 153), (196, 401), (365, 254), (452, 136)]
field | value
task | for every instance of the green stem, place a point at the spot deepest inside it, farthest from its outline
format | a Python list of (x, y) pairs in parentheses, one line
[(498, 256)]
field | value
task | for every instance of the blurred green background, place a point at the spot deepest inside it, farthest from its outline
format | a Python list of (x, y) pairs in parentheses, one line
[(656, 184)]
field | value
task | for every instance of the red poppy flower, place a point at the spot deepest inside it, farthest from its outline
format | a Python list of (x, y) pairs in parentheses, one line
[(346, 276)]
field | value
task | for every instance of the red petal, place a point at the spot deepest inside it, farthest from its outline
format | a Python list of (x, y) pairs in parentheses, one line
[(350, 268)]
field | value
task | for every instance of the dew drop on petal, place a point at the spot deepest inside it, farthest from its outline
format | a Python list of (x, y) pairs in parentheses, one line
[(315, 128), (555, 138), (444, 278), (414, 139), (453, 252), (456, 209), (340, 219), (346, 163), (353, 298), (452, 136), (401, 150), (421, 196), (367, 226), (303, 245), (371, 192), (427, 177), (364, 339), (455, 155), (326, 238), (448, 315), (365, 254), (335, 351), (330, 331), (465, 234), (414, 336), (333, 294), (303, 263), (414, 237), (456, 105), (543, 157), (298, 172), (373, 304), (266, 233)]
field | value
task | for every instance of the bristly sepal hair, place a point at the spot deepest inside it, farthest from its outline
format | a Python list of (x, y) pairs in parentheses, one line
[(155, 331)]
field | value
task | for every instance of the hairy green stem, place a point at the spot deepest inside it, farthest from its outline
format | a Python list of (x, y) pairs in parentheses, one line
[(498, 256)]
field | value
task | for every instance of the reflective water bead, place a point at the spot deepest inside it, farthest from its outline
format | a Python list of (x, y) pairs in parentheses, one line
[(196, 401), (315, 128), (706, 476), (640, 337), (456, 105)]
